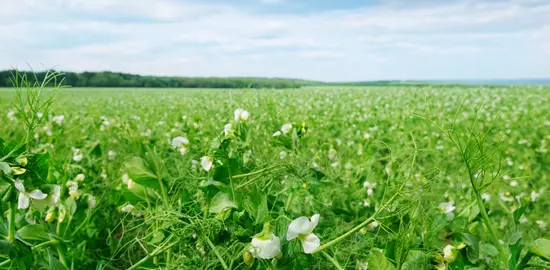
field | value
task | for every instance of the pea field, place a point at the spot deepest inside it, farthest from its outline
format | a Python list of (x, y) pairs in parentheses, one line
[(396, 177)]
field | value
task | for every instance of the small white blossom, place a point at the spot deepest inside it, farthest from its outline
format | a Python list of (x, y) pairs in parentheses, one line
[(181, 143), (302, 228), (92, 202), (206, 163), (58, 119), (111, 154), (277, 133), (227, 129), (265, 247), (240, 115), (128, 181), (449, 253), (282, 155), (24, 198), (286, 128), (127, 208), (486, 196), (77, 155), (370, 187), (80, 177)]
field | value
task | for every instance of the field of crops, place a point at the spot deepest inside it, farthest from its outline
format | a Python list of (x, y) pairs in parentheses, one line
[(313, 178)]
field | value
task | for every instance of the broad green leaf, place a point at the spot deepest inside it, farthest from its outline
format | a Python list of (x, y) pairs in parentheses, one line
[(54, 263), (221, 202), (472, 249), (541, 248), (377, 261), (416, 260), (5, 169), (488, 250), (37, 168), (141, 173), (34, 232)]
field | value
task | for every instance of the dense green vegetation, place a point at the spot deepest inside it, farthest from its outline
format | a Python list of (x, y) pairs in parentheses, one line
[(115, 79), (392, 177)]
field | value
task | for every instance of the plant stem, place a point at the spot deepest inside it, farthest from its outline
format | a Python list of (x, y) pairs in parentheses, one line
[(61, 255), (521, 265), (51, 242), (254, 173), (356, 228), (333, 261), (140, 262), (220, 258), (11, 223)]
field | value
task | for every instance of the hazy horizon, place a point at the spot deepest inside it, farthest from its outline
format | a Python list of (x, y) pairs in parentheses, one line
[(312, 40)]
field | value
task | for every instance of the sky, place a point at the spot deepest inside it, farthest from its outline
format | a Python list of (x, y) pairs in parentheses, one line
[(327, 40)]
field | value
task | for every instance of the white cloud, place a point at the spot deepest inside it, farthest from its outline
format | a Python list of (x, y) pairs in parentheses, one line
[(159, 36)]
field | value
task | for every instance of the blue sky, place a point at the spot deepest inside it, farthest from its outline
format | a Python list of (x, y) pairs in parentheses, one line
[(330, 40)]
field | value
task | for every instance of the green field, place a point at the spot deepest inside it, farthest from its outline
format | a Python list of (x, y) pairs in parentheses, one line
[(401, 177)]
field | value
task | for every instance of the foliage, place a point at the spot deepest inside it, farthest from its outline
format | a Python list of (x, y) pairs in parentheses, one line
[(400, 177)]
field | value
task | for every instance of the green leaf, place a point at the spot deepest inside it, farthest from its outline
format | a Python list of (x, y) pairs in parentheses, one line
[(416, 260), (256, 205), (54, 263), (472, 250), (488, 250), (541, 248), (33, 232), (5, 169), (5, 246), (377, 261), (221, 202), (37, 168), (70, 205), (141, 173)]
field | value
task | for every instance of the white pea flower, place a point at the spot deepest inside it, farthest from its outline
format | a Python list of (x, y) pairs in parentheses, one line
[(449, 253), (11, 115), (370, 187), (448, 208), (59, 119), (73, 189), (372, 226), (227, 129), (56, 194), (24, 198), (128, 181), (332, 154), (206, 163), (241, 115), (92, 202), (265, 246), (486, 196), (181, 143), (302, 228), (277, 133), (534, 195), (77, 155), (80, 177), (286, 128), (39, 115), (282, 155), (111, 154), (127, 208), (541, 224)]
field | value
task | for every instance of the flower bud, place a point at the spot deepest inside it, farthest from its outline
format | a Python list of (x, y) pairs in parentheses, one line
[(248, 259)]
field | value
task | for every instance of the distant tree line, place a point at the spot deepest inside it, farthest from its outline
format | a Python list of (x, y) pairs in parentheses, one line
[(116, 79)]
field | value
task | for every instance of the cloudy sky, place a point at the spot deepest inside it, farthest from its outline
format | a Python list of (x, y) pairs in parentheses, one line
[(330, 40)]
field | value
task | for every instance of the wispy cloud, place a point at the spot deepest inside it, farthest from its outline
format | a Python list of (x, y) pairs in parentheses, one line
[(454, 39)]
